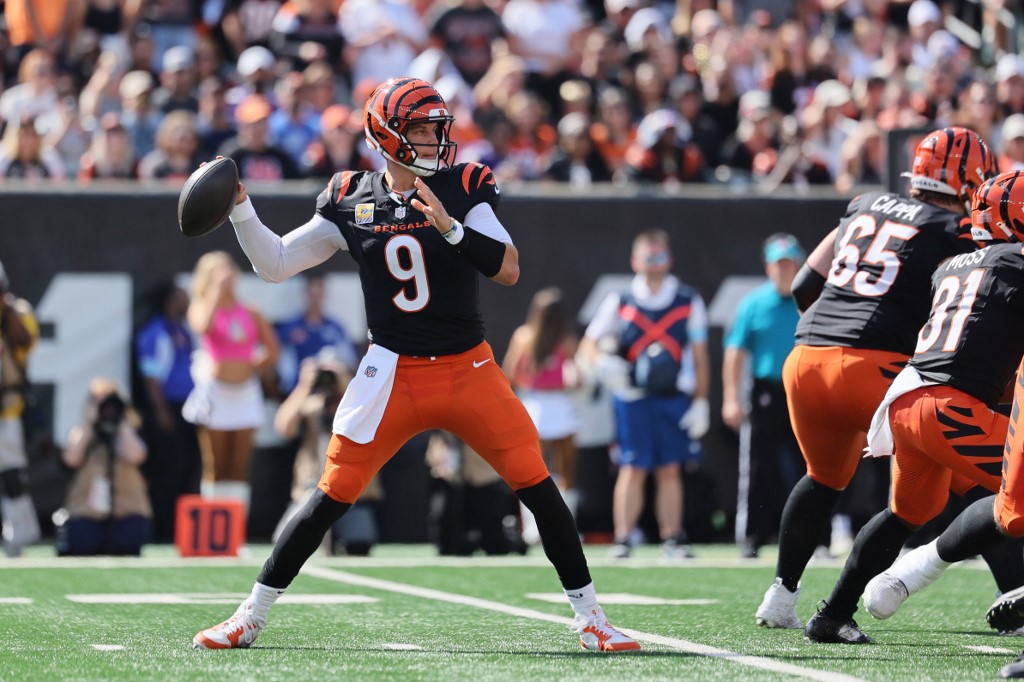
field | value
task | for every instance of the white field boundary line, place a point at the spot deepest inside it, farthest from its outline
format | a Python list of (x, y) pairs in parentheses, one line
[(335, 575), (22, 563)]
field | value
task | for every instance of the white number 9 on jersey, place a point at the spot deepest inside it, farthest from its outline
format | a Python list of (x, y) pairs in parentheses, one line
[(416, 273)]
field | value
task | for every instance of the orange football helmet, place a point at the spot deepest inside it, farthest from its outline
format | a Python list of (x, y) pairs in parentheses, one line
[(953, 161), (997, 212), (396, 104)]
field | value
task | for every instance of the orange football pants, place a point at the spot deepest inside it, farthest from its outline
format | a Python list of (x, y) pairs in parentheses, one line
[(832, 394), (942, 436), (465, 394), (1009, 506)]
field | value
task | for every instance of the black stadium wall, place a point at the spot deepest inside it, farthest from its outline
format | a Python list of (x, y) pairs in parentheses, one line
[(564, 240)]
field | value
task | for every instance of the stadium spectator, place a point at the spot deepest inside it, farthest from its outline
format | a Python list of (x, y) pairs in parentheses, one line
[(172, 23), (612, 130), (246, 23), (138, 115), (19, 332), (226, 404), (107, 510), (110, 155), (1012, 137), (294, 125), (107, 20), (24, 154), (177, 151), (663, 152), (251, 150), (500, 85), (338, 147), (540, 365), (256, 68), (214, 122), (977, 110), (35, 94), (69, 138), (101, 94), (384, 36), (688, 101), (758, 342), (163, 356), (320, 88), (466, 30), (496, 423), (1009, 78), (547, 35), (649, 346), (861, 158), (576, 161), (177, 81), (306, 31), (48, 25), (308, 333), (534, 137)]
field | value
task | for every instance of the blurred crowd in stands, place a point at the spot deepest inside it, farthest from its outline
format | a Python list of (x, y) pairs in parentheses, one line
[(573, 91)]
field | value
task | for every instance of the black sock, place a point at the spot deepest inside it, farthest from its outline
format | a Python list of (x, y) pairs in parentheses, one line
[(300, 538), (558, 533), (971, 533), (806, 516), (874, 549)]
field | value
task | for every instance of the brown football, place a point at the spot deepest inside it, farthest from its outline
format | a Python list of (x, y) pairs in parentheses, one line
[(207, 198)]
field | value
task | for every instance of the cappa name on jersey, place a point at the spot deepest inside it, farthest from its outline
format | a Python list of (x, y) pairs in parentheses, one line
[(895, 206)]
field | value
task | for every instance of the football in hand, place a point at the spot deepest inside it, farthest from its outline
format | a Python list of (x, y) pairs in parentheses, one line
[(207, 198)]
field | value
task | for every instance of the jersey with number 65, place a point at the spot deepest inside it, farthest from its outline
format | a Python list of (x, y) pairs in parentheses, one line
[(421, 295), (974, 338), (877, 292)]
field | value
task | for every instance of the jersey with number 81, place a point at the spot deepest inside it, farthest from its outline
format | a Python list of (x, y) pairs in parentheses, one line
[(877, 292), (421, 295), (974, 338)]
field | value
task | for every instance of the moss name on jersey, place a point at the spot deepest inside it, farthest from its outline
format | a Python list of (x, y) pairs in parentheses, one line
[(974, 338), (421, 296), (877, 293)]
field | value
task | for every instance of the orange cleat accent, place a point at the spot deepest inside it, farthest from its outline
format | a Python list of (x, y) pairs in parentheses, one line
[(596, 634), (237, 632)]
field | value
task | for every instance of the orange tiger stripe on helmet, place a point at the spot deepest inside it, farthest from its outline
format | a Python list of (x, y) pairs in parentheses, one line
[(396, 104), (954, 161), (997, 212)]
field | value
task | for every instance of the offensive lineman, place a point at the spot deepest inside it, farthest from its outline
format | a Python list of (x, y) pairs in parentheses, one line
[(873, 276), (419, 232), (939, 414)]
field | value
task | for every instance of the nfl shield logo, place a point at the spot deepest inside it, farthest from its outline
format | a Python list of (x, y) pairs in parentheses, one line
[(400, 212), (370, 371)]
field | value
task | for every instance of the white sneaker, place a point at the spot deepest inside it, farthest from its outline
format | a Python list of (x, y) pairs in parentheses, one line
[(237, 632), (884, 595), (596, 634), (778, 608)]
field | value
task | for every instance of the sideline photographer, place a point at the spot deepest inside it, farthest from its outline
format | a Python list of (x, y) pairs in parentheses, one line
[(19, 332), (107, 510), (308, 413)]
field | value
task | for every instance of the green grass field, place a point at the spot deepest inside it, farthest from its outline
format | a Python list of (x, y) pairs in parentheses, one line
[(406, 614)]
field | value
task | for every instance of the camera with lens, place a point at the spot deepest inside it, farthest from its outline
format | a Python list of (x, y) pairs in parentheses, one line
[(326, 381), (109, 414)]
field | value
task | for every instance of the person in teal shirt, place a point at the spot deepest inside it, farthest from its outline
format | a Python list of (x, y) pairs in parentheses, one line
[(762, 337)]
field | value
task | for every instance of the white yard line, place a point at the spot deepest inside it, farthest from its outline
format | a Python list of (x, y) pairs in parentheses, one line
[(982, 649), (670, 642), (108, 647)]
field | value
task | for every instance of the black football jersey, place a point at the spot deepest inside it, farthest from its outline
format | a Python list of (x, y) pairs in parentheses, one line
[(876, 295), (421, 296), (974, 338)]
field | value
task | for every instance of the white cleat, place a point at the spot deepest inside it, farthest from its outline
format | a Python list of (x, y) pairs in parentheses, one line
[(884, 595), (596, 634), (237, 632), (778, 608)]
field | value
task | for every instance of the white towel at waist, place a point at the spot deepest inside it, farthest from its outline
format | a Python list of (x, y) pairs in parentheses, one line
[(367, 395), (880, 440)]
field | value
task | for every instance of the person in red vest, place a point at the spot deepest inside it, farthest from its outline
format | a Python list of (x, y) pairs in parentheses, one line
[(649, 347)]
